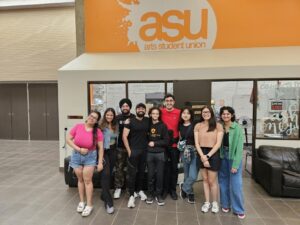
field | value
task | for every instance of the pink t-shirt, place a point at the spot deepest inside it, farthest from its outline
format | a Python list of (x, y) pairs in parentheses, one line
[(84, 138)]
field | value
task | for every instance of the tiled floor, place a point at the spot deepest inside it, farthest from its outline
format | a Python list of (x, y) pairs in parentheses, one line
[(32, 191)]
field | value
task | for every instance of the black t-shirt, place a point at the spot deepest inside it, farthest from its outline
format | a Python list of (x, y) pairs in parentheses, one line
[(121, 119), (226, 139), (190, 136), (138, 136)]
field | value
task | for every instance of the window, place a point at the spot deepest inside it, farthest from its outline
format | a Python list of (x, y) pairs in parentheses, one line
[(152, 94), (103, 96), (278, 109)]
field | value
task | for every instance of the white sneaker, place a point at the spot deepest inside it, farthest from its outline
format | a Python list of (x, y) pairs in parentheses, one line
[(117, 193), (80, 207), (131, 202), (87, 211), (142, 195), (215, 207), (110, 210), (205, 207)]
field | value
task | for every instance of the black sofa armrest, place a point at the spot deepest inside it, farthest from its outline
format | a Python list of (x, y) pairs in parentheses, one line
[(269, 175)]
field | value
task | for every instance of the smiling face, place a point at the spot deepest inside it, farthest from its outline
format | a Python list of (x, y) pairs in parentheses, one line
[(206, 114), (140, 111), (226, 116), (185, 115), (109, 116), (169, 103), (125, 109), (92, 119), (154, 114)]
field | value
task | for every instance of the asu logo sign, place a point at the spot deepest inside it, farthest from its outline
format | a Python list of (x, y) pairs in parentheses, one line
[(170, 24)]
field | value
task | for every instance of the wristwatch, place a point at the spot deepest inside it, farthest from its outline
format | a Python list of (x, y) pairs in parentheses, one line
[(207, 156)]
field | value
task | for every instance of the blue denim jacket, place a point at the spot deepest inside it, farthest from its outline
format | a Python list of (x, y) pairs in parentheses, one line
[(108, 135)]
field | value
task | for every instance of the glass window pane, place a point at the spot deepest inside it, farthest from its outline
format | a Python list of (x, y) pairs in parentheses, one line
[(103, 96), (170, 88), (237, 94), (278, 109), (151, 94)]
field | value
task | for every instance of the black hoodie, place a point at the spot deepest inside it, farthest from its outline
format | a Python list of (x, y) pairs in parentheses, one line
[(158, 133)]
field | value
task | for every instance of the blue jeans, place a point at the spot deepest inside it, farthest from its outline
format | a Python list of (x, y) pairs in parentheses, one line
[(231, 186), (191, 169), (78, 160)]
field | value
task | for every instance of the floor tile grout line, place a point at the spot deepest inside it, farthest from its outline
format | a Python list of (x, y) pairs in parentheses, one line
[(156, 215), (275, 211), (75, 195), (195, 208), (177, 220), (259, 216), (298, 214), (112, 222), (137, 211), (50, 202)]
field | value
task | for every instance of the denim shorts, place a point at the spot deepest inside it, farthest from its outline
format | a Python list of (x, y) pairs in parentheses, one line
[(78, 160)]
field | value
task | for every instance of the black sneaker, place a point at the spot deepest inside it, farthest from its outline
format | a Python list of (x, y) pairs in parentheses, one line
[(164, 195), (182, 192), (149, 199), (160, 201), (174, 195), (191, 198)]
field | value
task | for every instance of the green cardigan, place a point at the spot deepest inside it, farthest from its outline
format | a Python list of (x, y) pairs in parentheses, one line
[(236, 144)]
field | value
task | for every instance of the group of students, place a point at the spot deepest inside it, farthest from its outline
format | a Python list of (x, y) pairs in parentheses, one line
[(158, 142)]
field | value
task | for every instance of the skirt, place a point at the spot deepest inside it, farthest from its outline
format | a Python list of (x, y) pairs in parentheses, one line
[(214, 160)]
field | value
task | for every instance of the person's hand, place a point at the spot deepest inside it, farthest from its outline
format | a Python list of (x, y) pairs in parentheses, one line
[(151, 144), (204, 158), (129, 154), (233, 170), (100, 167), (83, 151), (127, 121), (206, 164)]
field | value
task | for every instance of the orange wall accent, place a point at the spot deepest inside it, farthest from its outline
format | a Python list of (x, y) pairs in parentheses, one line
[(240, 24)]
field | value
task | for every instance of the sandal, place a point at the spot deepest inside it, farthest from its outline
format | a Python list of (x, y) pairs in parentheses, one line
[(87, 211), (80, 207)]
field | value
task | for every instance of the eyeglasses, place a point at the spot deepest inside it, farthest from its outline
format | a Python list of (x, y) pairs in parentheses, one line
[(93, 117), (205, 112)]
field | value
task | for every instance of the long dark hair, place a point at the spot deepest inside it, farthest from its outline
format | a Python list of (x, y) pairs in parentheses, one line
[(104, 123), (150, 111), (230, 110), (212, 123), (95, 127), (191, 112)]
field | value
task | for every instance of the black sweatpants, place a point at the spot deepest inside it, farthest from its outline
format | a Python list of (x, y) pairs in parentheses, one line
[(171, 169), (109, 157), (136, 166), (155, 165)]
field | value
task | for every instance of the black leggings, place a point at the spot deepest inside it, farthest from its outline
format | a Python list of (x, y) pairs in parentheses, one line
[(109, 158)]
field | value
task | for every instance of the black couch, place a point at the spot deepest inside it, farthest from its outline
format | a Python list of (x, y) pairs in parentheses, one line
[(71, 179), (277, 169)]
